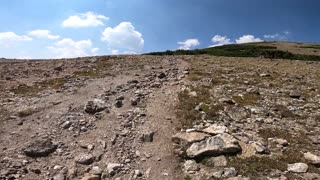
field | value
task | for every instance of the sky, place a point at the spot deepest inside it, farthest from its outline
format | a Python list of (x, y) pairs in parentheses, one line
[(74, 28)]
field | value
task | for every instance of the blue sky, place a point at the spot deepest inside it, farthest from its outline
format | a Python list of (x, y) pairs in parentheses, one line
[(60, 28)]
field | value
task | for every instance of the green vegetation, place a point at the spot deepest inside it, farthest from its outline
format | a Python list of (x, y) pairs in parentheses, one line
[(187, 177), (242, 50), (101, 69), (255, 165), (247, 99), (311, 47), (40, 86)]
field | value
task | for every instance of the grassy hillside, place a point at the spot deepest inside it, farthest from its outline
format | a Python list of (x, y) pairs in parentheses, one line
[(265, 50)]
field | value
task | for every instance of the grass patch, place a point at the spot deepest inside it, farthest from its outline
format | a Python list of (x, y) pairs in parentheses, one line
[(256, 166), (299, 140), (284, 112), (187, 177), (243, 50), (311, 47), (39, 86), (186, 107), (100, 70), (247, 99)]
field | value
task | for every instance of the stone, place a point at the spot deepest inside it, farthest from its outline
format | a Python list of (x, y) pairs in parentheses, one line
[(40, 148), (94, 106), (118, 104), (298, 167), (96, 170), (120, 98), (311, 176), (85, 159), (313, 159), (217, 173), (295, 95), (215, 129), (91, 177), (191, 165), (214, 146), (138, 173), (112, 168), (162, 75), (35, 170), (147, 136), (229, 172), (219, 161), (66, 125), (188, 138), (59, 176), (282, 142), (260, 148)]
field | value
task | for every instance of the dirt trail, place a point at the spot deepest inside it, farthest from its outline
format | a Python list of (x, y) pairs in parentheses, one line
[(146, 97)]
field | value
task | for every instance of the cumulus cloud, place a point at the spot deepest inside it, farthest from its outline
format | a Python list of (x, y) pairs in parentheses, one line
[(220, 40), (8, 38), (68, 48), (43, 34), (188, 44), (123, 38), (247, 39), (88, 19)]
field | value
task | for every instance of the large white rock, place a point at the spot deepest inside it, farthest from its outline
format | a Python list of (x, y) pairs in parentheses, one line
[(298, 167), (188, 138), (313, 159), (215, 129), (214, 146)]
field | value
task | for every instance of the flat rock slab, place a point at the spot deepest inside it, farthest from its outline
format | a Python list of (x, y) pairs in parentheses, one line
[(313, 159), (214, 146), (298, 167), (85, 159), (215, 129), (188, 138), (40, 148)]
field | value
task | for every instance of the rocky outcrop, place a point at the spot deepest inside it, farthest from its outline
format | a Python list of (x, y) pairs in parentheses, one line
[(214, 146)]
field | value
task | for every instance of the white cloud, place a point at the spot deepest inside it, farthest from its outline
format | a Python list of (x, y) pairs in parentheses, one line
[(278, 36), (123, 38), (247, 39), (271, 36), (94, 51), (118, 52), (220, 40), (43, 34), (88, 19), (8, 38), (68, 48), (188, 44)]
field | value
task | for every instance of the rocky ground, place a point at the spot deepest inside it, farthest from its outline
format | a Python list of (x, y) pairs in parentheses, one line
[(152, 117)]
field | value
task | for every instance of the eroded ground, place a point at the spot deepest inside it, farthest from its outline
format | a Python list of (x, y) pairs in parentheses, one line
[(152, 117)]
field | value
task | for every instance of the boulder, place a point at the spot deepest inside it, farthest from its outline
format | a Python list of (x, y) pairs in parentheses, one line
[(95, 106), (112, 168), (215, 129), (147, 136), (191, 165), (188, 138), (214, 146), (85, 159), (40, 148), (313, 159), (298, 167)]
